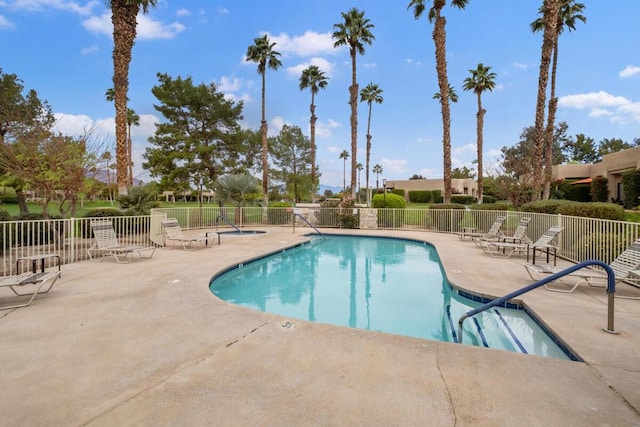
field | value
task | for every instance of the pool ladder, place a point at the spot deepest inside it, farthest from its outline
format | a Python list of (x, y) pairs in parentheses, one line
[(228, 221), (306, 222), (611, 290)]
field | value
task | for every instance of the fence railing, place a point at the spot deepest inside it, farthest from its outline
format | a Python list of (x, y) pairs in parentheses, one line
[(582, 238)]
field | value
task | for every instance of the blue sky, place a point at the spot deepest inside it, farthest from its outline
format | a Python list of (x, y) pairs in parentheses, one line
[(62, 49)]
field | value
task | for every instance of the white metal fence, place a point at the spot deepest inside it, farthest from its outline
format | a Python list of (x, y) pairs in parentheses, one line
[(581, 239)]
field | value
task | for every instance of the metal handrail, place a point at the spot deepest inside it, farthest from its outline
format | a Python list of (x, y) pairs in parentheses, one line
[(228, 221), (611, 290), (305, 221)]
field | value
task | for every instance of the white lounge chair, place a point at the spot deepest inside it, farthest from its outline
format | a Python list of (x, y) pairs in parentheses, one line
[(42, 280), (625, 267), (493, 233), (544, 243), (519, 235), (106, 244), (173, 233)]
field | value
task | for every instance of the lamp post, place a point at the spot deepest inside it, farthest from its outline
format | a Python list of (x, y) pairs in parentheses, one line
[(384, 194)]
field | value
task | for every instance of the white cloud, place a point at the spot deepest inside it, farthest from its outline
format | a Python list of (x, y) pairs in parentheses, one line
[(89, 50), (308, 44), (464, 150), (632, 110), (183, 12), (5, 24), (369, 65), (334, 149), (323, 129), (148, 29), (422, 140), (394, 166), (223, 11), (430, 173), (520, 65), (75, 125), (323, 64), (599, 112), (592, 100), (229, 84), (629, 71), (69, 6), (276, 125)]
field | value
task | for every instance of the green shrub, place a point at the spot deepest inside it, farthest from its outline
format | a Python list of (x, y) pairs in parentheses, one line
[(488, 199), (5, 215), (436, 196), (576, 192), (501, 206), (600, 189), (328, 217), (398, 191), (420, 196), (544, 206), (631, 186), (594, 210), (463, 200), (389, 201)]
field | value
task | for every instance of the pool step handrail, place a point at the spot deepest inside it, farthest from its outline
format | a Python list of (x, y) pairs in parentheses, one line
[(295, 214), (611, 291), (228, 221)]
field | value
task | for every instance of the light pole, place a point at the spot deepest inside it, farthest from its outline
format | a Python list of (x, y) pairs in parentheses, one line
[(384, 194)]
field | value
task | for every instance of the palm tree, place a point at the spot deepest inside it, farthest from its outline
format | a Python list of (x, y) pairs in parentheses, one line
[(439, 39), (124, 19), (313, 78), (453, 95), (132, 120), (482, 78), (550, 20), (359, 167), (344, 155), (377, 169), (354, 32), (262, 52), (568, 15), (370, 94)]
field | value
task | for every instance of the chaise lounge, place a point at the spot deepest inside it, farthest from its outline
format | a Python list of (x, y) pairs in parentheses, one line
[(107, 244)]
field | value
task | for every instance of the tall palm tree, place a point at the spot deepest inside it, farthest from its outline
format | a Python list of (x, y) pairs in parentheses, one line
[(124, 19), (453, 95), (359, 167), (132, 120), (550, 20), (377, 169), (344, 156), (482, 79), (569, 14), (262, 52), (439, 39), (370, 94), (313, 78), (354, 32)]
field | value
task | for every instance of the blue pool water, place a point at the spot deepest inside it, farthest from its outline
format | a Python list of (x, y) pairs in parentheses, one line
[(381, 284)]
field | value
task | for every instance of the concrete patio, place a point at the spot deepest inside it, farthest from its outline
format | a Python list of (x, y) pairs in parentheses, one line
[(146, 343)]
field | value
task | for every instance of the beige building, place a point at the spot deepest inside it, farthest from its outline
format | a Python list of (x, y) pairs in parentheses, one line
[(467, 187), (612, 167)]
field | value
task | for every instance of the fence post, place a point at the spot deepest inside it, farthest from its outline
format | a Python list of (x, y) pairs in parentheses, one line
[(72, 240)]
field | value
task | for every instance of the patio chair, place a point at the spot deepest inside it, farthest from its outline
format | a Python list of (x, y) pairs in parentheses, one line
[(544, 243), (493, 234), (107, 244), (42, 280), (626, 268), (173, 233), (519, 235)]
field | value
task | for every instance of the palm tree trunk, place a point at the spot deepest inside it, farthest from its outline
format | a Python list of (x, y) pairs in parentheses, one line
[(480, 126), (550, 26), (313, 119), (439, 38), (368, 154), (553, 105), (265, 148), (353, 92), (123, 17)]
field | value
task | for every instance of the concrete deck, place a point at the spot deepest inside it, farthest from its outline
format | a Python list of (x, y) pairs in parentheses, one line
[(146, 343)]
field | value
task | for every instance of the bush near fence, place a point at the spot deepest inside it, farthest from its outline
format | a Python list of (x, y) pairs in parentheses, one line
[(420, 196), (444, 216), (463, 200)]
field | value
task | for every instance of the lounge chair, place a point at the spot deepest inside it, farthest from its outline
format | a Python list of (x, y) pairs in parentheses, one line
[(544, 243), (41, 280), (173, 233), (519, 235), (626, 268), (493, 234), (106, 244)]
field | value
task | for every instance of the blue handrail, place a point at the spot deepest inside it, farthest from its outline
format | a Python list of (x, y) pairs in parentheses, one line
[(611, 290)]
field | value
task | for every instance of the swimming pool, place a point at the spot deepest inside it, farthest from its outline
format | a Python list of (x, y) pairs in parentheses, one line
[(382, 284)]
